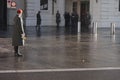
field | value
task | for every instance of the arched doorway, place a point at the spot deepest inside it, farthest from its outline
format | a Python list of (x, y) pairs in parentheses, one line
[(3, 14)]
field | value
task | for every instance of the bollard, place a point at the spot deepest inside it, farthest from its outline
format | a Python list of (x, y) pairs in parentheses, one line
[(95, 25), (79, 29), (113, 38), (112, 28)]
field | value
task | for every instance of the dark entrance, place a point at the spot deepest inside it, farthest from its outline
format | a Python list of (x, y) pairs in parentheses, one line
[(84, 16), (3, 14)]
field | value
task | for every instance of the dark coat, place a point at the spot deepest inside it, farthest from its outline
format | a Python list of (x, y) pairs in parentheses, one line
[(38, 16), (17, 31), (58, 19)]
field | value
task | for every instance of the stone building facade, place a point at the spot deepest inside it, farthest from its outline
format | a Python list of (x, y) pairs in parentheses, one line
[(102, 11)]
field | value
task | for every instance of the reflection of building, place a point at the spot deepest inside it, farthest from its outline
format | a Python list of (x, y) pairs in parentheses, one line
[(102, 11)]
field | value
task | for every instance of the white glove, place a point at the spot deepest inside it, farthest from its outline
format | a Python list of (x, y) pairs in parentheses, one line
[(23, 35)]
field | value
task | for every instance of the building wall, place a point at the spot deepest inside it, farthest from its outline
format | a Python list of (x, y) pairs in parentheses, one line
[(108, 12), (11, 12), (104, 12), (95, 11), (69, 8), (48, 18)]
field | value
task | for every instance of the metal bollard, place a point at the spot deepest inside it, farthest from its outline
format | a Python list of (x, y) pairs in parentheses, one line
[(112, 28), (95, 25), (79, 29)]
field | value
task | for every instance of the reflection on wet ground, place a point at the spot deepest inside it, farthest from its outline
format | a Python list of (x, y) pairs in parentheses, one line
[(51, 48)]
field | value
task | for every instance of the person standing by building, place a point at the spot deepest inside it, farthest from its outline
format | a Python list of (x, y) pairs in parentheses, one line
[(88, 19), (73, 19), (76, 19), (38, 16), (18, 35), (67, 19), (58, 18)]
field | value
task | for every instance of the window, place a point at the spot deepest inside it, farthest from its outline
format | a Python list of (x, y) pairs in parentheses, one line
[(74, 6), (44, 4)]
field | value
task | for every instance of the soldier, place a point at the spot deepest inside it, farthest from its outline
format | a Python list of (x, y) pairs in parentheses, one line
[(18, 36), (74, 20), (38, 16), (58, 18), (67, 19)]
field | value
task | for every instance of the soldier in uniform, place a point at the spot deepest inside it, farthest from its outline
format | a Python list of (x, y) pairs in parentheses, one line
[(58, 18), (38, 16), (18, 35)]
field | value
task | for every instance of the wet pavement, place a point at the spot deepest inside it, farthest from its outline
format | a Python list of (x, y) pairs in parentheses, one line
[(51, 48), (75, 75)]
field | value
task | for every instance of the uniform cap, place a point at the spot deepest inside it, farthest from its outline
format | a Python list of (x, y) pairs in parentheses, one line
[(19, 11)]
